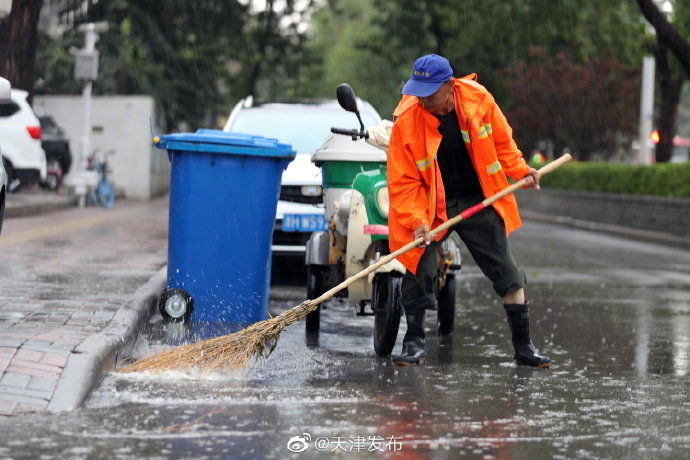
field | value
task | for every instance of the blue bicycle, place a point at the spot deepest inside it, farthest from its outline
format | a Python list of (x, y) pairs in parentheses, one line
[(103, 193)]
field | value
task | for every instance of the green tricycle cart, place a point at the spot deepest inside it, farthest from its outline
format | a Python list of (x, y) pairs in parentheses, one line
[(353, 164)]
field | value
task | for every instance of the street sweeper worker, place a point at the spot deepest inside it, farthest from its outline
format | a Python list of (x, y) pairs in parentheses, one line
[(451, 147)]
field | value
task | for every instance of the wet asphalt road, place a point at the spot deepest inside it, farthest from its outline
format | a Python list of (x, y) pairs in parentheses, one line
[(614, 316)]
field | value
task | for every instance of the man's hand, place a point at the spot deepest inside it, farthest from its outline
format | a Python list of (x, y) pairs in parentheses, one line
[(380, 135), (423, 231), (532, 179)]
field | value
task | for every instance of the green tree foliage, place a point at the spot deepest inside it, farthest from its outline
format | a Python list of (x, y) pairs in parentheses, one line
[(55, 65), (492, 36), (276, 51), (341, 50), (372, 44), (173, 50), (665, 179), (194, 57)]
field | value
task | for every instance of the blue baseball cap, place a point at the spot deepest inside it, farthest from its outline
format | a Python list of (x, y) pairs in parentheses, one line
[(428, 74)]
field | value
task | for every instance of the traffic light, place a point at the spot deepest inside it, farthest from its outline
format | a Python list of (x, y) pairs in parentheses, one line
[(655, 137)]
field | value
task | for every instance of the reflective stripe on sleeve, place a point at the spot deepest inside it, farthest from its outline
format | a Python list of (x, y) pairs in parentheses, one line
[(493, 168), (423, 164)]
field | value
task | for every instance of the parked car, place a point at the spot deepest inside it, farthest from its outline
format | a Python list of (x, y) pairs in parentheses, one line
[(5, 90), (56, 146), (305, 125), (20, 140)]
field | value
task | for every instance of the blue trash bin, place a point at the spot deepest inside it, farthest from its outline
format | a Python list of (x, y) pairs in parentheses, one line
[(224, 190)]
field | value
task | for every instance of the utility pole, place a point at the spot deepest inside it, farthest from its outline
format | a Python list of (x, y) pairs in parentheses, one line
[(646, 111), (86, 69)]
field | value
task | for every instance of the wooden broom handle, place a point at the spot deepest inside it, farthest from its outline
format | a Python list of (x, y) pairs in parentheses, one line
[(444, 226)]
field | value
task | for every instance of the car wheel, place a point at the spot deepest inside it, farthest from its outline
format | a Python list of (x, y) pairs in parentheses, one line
[(12, 180), (65, 160), (446, 305), (317, 284), (55, 172), (386, 302)]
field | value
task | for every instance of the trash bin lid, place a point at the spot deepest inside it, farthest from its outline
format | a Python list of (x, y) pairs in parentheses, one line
[(221, 142)]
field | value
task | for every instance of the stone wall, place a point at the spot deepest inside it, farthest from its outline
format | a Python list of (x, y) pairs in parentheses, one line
[(658, 218)]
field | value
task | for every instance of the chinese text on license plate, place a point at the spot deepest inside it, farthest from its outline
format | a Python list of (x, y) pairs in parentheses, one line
[(304, 222)]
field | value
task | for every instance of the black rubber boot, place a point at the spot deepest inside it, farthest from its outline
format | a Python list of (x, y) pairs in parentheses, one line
[(525, 353), (414, 342)]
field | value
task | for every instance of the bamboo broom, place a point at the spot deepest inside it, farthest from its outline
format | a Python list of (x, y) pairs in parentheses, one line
[(235, 350)]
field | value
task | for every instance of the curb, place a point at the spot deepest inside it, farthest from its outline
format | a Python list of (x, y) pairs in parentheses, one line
[(31, 209), (640, 235), (97, 355)]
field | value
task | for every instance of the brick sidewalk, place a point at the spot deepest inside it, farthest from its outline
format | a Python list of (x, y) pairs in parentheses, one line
[(63, 276)]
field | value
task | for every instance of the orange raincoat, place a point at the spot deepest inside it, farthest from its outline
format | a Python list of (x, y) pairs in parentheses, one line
[(415, 186)]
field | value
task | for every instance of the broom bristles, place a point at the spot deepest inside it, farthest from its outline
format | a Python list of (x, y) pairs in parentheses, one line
[(228, 352)]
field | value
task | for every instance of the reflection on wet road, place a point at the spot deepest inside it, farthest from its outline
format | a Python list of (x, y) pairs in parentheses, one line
[(613, 315)]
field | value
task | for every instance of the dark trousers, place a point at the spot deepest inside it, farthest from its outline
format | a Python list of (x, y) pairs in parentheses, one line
[(485, 237)]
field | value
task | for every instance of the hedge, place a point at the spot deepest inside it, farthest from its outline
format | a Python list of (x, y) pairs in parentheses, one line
[(666, 179)]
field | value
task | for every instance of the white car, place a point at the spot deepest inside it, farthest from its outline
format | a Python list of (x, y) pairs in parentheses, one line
[(305, 125), (20, 141)]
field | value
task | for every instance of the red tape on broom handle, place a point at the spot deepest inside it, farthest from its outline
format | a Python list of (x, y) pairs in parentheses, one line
[(469, 212), (444, 226)]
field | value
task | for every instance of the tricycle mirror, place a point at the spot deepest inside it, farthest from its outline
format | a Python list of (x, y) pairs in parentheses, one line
[(5, 90), (346, 97)]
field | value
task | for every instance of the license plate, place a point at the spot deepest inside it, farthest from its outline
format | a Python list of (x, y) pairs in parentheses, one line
[(304, 222)]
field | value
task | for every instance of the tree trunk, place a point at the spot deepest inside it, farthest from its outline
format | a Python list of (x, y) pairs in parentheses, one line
[(678, 44), (18, 42), (670, 86), (670, 97)]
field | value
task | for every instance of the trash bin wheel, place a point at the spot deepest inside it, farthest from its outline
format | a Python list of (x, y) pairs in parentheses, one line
[(446, 305), (386, 302), (175, 305), (317, 284)]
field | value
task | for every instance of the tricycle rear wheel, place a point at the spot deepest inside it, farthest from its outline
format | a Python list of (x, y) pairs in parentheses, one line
[(386, 302), (446, 305), (317, 284)]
